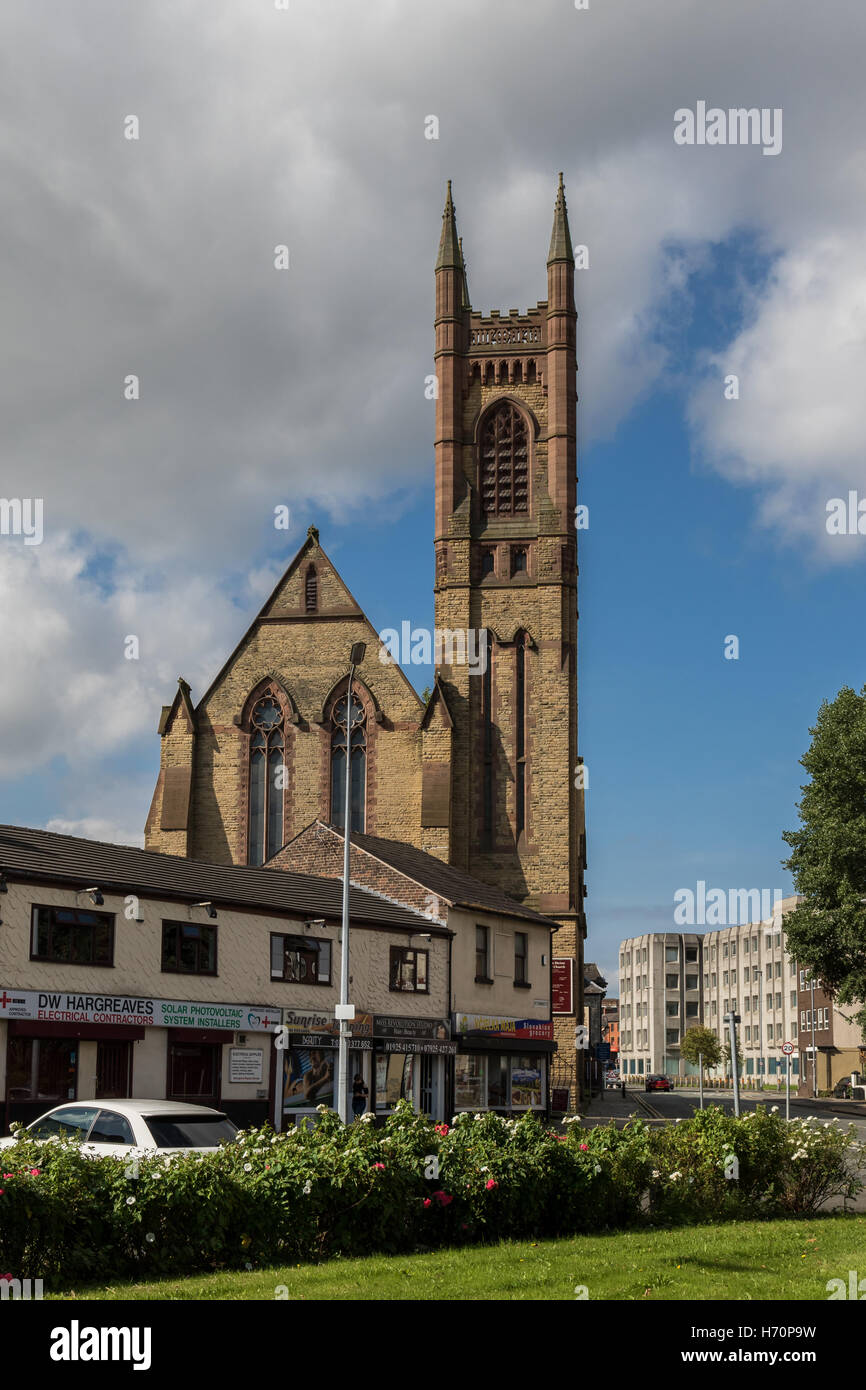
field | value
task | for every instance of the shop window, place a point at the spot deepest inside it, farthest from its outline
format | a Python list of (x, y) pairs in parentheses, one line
[(482, 955), (189, 948), (497, 1081), (408, 970), (470, 1076), (521, 948), (395, 1079), (71, 936), (302, 960), (42, 1069), (309, 1078), (526, 1087)]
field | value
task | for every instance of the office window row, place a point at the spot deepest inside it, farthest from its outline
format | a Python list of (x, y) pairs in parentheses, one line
[(73, 936)]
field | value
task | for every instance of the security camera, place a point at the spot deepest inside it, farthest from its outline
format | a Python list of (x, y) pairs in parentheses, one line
[(211, 910)]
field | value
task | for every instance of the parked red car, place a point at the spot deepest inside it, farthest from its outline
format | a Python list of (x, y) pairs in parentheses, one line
[(658, 1083)]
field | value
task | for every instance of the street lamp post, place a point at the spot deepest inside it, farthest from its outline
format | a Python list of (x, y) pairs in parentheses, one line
[(345, 1012)]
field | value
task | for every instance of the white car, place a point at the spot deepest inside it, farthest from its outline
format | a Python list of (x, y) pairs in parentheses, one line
[(122, 1127)]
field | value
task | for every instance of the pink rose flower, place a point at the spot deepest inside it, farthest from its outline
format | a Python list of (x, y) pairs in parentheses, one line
[(426, 1201), (443, 1198), (583, 1148), (491, 1182), (380, 1167)]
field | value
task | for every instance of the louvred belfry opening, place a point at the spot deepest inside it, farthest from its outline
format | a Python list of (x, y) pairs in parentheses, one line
[(505, 463)]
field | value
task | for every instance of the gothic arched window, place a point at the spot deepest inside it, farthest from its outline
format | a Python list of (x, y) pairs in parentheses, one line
[(267, 780), (504, 461), (357, 732)]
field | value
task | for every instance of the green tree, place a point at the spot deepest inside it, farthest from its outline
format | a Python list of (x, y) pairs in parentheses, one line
[(701, 1043), (827, 932)]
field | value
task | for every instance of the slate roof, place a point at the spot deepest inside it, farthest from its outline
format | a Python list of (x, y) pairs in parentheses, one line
[(453, 885), (42, 855)]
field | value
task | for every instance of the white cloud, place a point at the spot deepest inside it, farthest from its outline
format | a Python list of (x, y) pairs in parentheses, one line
[(93, 828), (260, 127), (797, 430), (68, 691)]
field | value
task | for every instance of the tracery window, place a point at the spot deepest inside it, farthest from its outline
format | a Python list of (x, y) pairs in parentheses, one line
[(504, 460), (267, 780), (357, 732)]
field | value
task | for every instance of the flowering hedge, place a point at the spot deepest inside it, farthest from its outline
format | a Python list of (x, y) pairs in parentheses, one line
[(333, 1190)]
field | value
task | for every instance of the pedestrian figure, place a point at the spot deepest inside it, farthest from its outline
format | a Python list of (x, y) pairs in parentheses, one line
[(359, 1096)]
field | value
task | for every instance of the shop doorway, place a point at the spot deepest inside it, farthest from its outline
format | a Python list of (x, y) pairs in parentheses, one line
[(194, 1072), (113, 1070), (425, 1084)]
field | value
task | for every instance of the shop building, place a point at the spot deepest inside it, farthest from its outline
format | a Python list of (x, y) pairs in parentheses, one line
[(500, 1024), (127, 973)]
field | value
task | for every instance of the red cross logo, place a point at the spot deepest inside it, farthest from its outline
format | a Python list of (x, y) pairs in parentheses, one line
[(5, 999)]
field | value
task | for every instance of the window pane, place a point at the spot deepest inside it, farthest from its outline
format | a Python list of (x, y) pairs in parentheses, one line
[(497, 1080), (525, 1083), (277, 956), (257, 806), (421, 975), (275, 802), (469, 1079)]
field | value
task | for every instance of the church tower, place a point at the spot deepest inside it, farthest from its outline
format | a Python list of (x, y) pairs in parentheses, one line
[(506, 565)]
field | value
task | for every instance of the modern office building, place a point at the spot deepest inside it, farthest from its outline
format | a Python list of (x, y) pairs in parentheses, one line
[(670, 982)]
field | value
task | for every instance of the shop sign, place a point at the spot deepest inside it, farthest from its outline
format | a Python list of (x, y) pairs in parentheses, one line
[(318, 1021), (245, 1065), (492, 1026), (563, 985), (390, 1026), (127, 1010), (428, 1045)]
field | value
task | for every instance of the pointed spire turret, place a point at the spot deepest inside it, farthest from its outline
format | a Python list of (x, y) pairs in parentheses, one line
[(560, 237), (449, 244), (465, 301)]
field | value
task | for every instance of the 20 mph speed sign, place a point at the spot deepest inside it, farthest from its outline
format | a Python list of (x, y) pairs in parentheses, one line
[(787, 1048)]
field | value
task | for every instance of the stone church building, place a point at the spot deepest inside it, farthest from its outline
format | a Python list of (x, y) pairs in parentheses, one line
[(482, 775)]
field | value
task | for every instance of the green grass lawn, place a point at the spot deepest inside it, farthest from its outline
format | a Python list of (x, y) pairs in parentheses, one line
[(739, 1260)]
